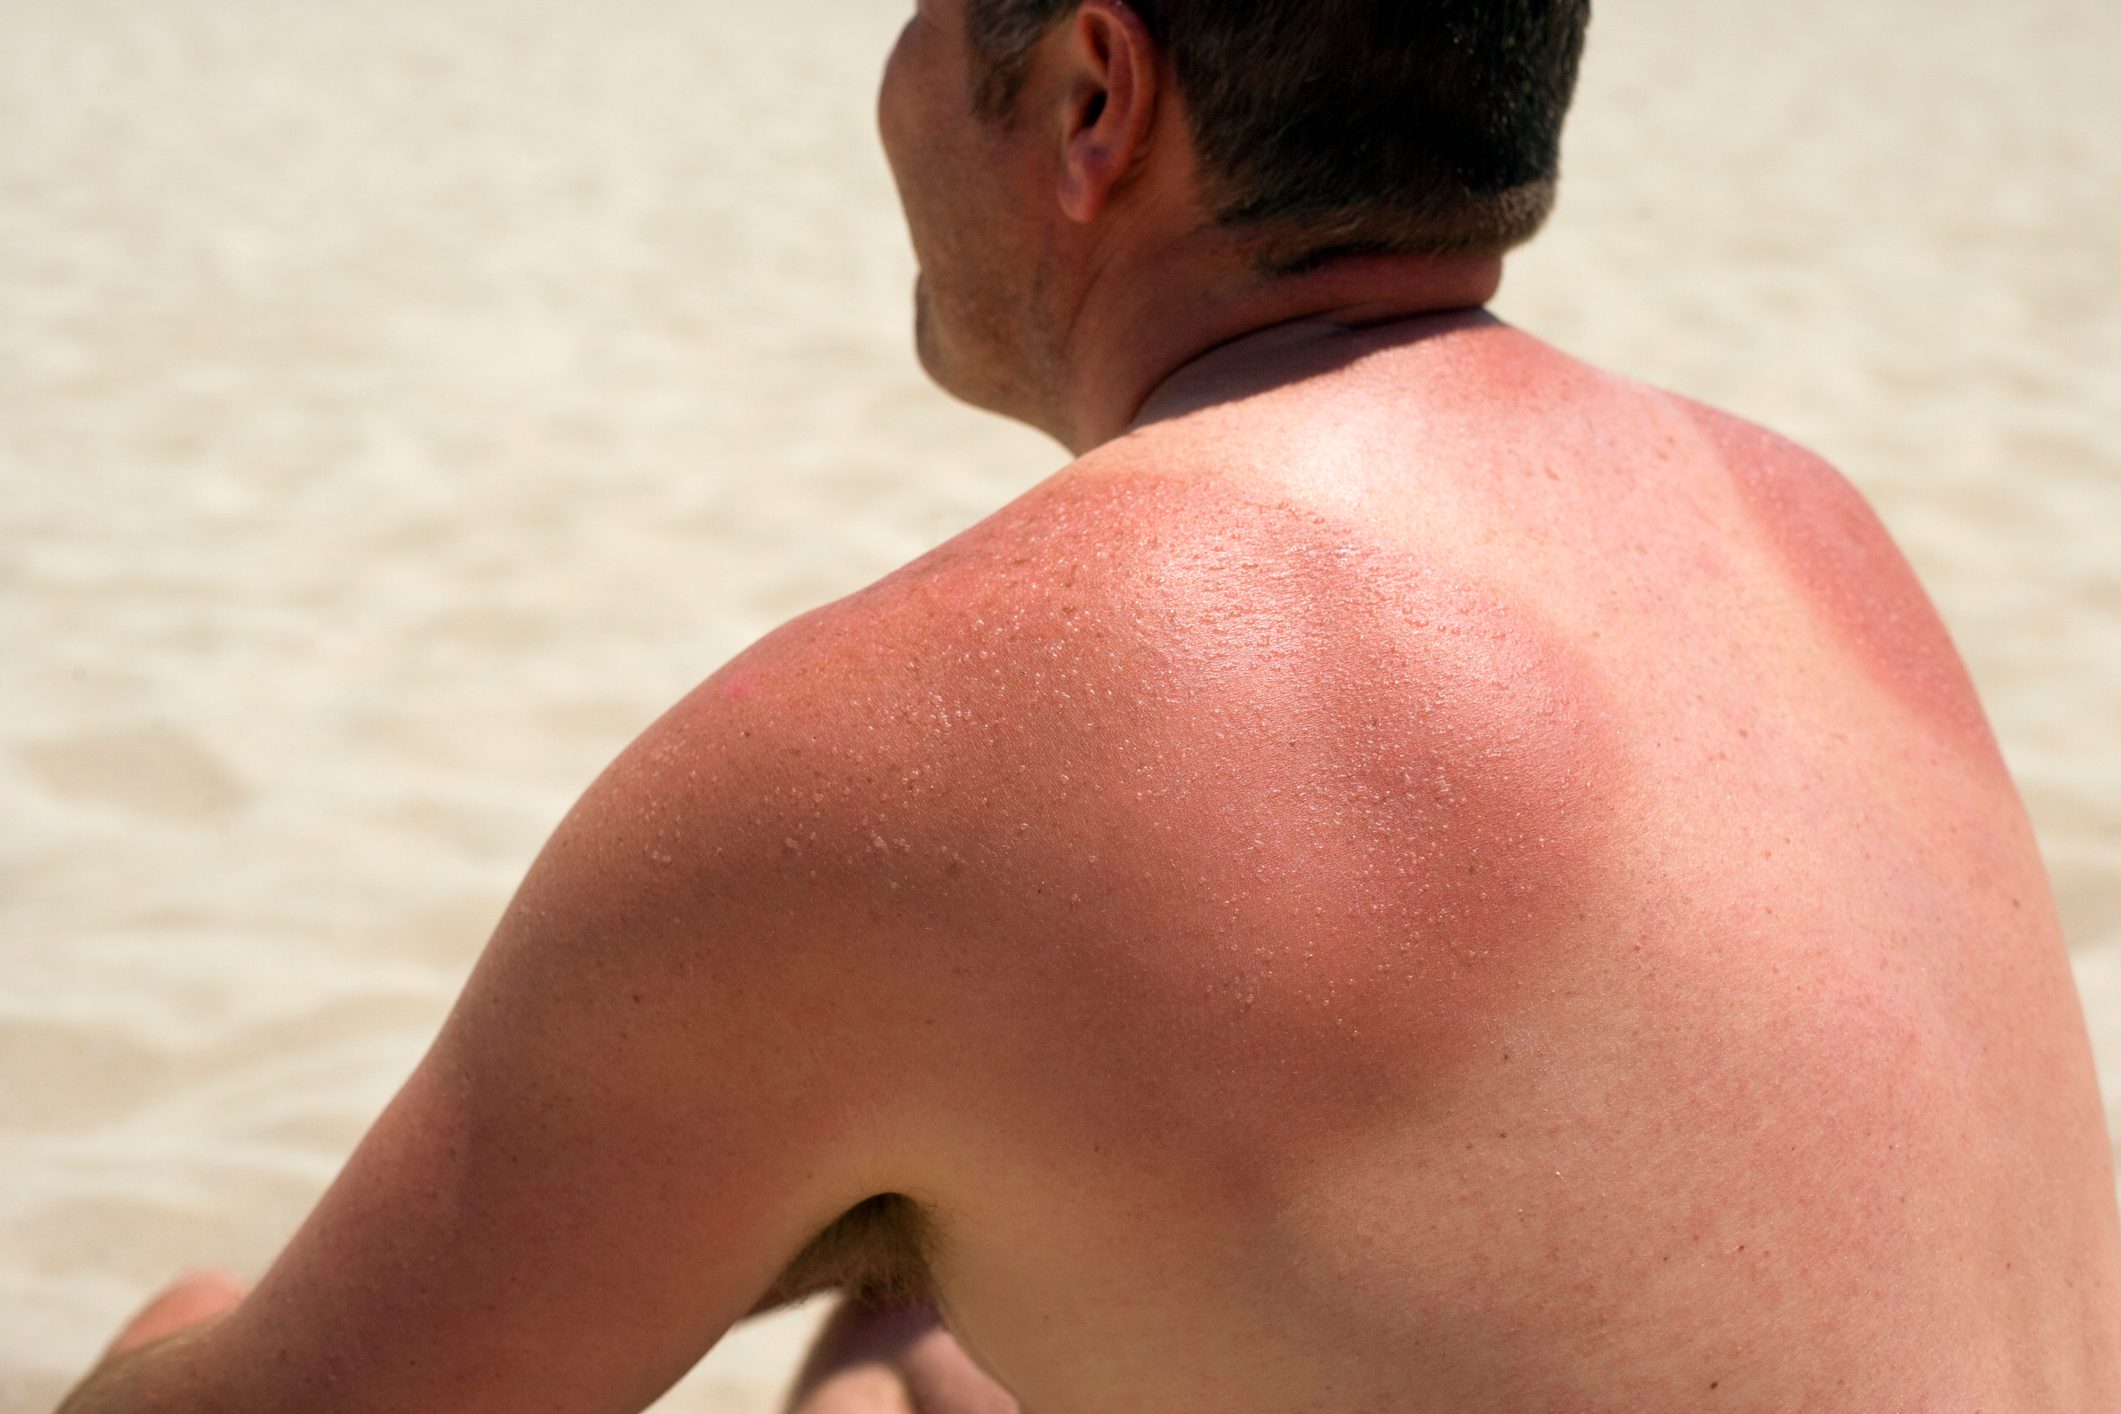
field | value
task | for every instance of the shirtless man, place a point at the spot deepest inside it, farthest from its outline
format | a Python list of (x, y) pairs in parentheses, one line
[(1414, 875)]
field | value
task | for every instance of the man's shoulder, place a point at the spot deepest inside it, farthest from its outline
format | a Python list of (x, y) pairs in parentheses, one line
[(868, 738), (1000, 615)]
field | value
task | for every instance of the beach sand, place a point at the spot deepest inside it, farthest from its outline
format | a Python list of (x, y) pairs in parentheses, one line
[(401, 403)]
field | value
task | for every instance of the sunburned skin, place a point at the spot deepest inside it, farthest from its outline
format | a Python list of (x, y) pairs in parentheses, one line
[(1390, 912), (1422, 877), (1834, 548)]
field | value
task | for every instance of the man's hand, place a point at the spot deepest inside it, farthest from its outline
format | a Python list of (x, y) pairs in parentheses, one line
[(190, 1303)]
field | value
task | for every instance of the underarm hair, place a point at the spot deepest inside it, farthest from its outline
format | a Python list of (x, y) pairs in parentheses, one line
[(877, 1252)]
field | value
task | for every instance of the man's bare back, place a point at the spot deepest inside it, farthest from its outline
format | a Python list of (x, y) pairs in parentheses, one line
[(1473, 884)]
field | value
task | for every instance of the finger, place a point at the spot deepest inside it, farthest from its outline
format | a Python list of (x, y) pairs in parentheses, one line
[(190, 1300)]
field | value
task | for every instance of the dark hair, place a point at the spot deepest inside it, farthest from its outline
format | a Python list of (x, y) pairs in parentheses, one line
[(1327, 127)]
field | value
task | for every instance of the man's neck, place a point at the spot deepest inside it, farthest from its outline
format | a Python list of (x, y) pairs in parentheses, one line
[(1147, 342)]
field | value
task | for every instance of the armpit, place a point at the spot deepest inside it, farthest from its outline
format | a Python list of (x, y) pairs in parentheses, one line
[(876, 1251)]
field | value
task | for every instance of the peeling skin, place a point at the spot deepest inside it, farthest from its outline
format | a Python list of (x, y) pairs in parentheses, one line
[(1387, 774), (1229, 751)]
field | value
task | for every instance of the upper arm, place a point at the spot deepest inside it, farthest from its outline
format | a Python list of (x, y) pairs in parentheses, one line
[(644, 1104)]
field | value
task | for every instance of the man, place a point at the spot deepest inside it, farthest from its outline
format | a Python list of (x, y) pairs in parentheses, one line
[(1414, 875)]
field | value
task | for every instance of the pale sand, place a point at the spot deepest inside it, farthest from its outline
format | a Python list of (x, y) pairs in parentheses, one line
[(401, 403)]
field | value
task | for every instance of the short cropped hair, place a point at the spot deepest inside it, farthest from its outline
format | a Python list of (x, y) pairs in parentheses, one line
[(1329, 127)]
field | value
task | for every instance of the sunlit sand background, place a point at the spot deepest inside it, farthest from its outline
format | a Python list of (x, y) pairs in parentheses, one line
[(401, 402)]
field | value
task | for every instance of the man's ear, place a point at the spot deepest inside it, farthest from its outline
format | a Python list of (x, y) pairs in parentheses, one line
[(1111, 104)]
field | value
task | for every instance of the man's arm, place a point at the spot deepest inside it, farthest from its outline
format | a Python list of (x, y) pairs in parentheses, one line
[(643, 1106)]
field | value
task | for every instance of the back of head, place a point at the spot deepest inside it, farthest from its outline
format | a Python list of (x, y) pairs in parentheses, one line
[(1331, 127)]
